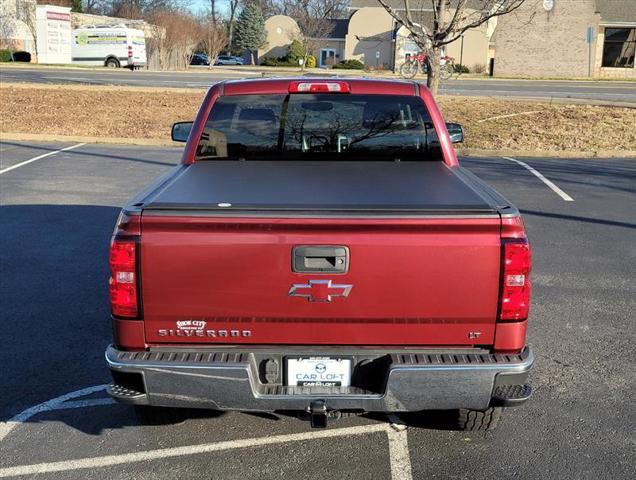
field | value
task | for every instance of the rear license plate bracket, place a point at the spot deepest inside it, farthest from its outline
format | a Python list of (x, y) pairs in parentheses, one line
[(318, 371)]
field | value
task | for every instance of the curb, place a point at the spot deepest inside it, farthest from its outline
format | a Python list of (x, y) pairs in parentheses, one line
[(93, 87), (37, 137), (462, 152), (479, 152)]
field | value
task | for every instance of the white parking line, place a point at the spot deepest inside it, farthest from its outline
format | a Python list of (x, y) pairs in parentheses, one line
[(551, 185), (398, 442), (39, 157), (399, 454), (56, 403), (396, 447)]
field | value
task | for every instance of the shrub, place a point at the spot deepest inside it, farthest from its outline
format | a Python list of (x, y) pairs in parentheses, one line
[(295, 51), (269, 62), (22, 57), (6, 55), (278, 62), (350, 65), (479, 68), (459, 68), (311, 62)]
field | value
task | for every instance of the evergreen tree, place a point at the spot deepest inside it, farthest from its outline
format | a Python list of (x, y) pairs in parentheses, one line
[(250, 28), (76, 6)]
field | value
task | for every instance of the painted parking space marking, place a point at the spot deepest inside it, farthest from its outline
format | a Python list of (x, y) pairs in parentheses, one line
[(540, 176), (40, 157), (400, 462), (398, 452), (57, 403)]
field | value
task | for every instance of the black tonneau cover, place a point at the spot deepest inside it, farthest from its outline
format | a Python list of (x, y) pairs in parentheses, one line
[(407, 187)]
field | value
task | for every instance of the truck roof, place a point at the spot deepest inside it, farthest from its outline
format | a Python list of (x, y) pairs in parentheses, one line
[(280, 85)]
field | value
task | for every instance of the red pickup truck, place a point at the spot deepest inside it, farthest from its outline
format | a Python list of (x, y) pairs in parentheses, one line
[(320, 250)]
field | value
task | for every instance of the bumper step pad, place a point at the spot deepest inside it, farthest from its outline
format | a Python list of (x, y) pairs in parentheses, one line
[(126, 395), (510, 395)]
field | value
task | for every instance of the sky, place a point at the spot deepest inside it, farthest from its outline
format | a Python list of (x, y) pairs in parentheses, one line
[(198, 5)]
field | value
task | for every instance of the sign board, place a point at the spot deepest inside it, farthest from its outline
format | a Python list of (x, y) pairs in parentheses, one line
[(53, 28), (377, 54), (548, 5), (589, 39)]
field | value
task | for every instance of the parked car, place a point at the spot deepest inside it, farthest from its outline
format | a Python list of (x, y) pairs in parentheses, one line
[(199, 59), (228, 60), (320, 250)]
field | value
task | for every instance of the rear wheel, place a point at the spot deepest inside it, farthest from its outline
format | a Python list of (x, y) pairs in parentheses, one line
[(112, 62), (408, 69), (147, 415), (446, 71), (478, 420)]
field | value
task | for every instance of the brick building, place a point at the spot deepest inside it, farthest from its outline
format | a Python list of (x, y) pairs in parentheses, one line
[(567, 38)]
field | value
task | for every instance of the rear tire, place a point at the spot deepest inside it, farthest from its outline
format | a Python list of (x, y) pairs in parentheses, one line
[(478, 420), (147, 415), (408, 69), (446, 71), (112, 62)]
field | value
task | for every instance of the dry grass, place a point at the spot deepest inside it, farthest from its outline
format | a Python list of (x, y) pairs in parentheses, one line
[(555, 128), (95, 111), (148, 113)]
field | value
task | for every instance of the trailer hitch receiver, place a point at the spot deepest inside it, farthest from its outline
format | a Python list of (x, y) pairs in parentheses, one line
[(318, 414)]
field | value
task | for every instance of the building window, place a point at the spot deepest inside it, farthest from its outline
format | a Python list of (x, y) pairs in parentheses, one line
[(619, 47)]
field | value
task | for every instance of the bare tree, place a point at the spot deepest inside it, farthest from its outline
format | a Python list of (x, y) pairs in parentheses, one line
[(233, 6), (7, 27), (213, 11), (311, 34), (314, 21), (450, 19), (213, 37), (175, 36), (26, 13), (316, 8)]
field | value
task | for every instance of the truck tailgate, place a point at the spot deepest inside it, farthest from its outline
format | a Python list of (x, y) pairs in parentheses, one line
[(423, 245)]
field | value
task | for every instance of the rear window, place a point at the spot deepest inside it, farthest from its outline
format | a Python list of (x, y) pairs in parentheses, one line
[(319, 127)]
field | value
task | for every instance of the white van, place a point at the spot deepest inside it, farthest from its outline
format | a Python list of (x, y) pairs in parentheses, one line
[(109, 45)]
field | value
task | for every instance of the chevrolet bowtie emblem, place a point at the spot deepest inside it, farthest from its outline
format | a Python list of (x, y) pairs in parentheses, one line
[(319, 290)]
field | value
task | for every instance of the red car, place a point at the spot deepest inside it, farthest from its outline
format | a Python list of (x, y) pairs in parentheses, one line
[(320, 250)]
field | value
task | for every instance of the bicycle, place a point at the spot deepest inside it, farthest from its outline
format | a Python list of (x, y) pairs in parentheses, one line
[(420, 62)]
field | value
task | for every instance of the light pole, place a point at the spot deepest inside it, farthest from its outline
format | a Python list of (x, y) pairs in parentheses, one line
[(461, 53)]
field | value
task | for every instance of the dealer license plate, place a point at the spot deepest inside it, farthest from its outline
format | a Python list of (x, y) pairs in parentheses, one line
[(319, 372)]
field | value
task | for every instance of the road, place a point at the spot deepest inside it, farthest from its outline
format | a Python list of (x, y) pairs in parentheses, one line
[(57, 216), (618, 92)]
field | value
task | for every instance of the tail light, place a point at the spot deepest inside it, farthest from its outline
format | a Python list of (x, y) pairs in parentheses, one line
[(515, 292), (124, 291), (319, 87), (130, 51)]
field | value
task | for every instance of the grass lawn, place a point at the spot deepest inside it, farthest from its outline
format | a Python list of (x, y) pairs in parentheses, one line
[(148, 113)]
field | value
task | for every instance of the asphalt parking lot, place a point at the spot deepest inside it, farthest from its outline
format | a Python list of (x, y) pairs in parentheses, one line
[(56, 219)]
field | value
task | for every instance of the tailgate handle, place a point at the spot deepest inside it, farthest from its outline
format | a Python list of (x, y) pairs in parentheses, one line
[(320, 258)]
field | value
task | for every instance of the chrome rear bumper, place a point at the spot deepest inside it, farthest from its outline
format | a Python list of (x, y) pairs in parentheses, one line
[(229, 379)]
